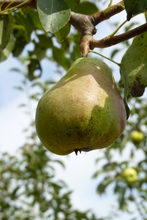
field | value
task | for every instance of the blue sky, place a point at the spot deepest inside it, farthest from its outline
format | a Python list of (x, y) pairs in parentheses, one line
[(79, 169)]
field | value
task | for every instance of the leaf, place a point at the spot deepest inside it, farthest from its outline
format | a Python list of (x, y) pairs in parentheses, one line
[(35, 69), (23, 22), (125, 80), (39, 52), (6, 52), (13, 195), (60, 58), (103, 185), (121, 198), (87, 8), (33, 15), (53, 14), (59, 162), (45, 41), (145, 14), (20, 44), (63, 32), (18, 87), (72, 4), (114, 52), (135, 62), (4, 31), (135, 7)]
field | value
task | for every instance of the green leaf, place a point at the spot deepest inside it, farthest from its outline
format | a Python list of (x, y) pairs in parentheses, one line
[(145, 14), (86, 8), (135, 62), (4, 31), (121, 198), (59, 162), (53, 14), (63, 32), (13, 195), (33, 15), (38, 53), (135, 7), (45, 41), (35, 69), (23, 22), (72, 4), (60, 58), (103, 185), (6, 52), (125, 80)]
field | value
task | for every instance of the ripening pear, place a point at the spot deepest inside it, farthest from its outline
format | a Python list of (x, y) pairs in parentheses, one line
[(83, 111), (137, 137), (130, 175)]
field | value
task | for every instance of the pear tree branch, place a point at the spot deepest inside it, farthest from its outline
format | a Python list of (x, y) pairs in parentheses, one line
[(87, 29), (108, 12), (18, 4), (86, 25), (110, 41)]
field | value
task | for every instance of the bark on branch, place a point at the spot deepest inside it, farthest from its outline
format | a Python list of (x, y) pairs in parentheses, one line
[(23, 4), (86, 24), (110, 41), (107, 13)]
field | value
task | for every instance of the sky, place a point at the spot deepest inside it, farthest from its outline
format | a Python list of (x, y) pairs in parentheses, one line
[(79, 169)]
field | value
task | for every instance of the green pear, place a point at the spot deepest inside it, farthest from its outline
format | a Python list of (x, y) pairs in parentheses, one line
[(130, 175), (83, 111), (137, 137)]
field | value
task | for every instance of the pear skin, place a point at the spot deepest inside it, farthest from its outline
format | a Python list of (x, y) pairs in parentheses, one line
[(84, 111)]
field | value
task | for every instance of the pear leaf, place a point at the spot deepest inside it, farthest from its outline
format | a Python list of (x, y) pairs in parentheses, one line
[(72, 4), (34, 69), (125, 80), (135, 62), (4, 54), (53, 14), (4, 31), (63, 32), (135, 7), (87, 8)]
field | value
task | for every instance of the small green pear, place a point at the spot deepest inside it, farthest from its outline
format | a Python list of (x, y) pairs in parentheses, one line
[(137, 137), (130, 175), (83, 111)]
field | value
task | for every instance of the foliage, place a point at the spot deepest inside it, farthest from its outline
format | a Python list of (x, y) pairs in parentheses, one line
[(29, 189), (128, 155), (28, 183)]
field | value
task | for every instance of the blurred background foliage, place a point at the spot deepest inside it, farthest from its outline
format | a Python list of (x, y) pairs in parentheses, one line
[(28, 185)]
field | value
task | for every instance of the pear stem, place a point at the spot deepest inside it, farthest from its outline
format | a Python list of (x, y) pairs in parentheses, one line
[(91, 51)]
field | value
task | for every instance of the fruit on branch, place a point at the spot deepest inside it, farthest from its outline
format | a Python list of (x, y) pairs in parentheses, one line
[(83, 111), (130, 175), (137, 137)]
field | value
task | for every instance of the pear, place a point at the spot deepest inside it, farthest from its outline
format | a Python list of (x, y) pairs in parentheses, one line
[(137, 137), (83, 111), (130, 175)]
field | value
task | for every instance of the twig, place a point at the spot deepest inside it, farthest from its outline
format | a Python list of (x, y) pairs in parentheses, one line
[(21, 3), (107, 13), (110, 41), (138, 208)]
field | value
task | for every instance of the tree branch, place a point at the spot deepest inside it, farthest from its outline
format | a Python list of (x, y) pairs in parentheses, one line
[(11, 3), (107, 13), (86, 25), (83, 23), (110, 41)]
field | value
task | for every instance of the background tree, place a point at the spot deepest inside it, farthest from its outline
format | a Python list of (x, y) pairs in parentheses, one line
[(29, 181)]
